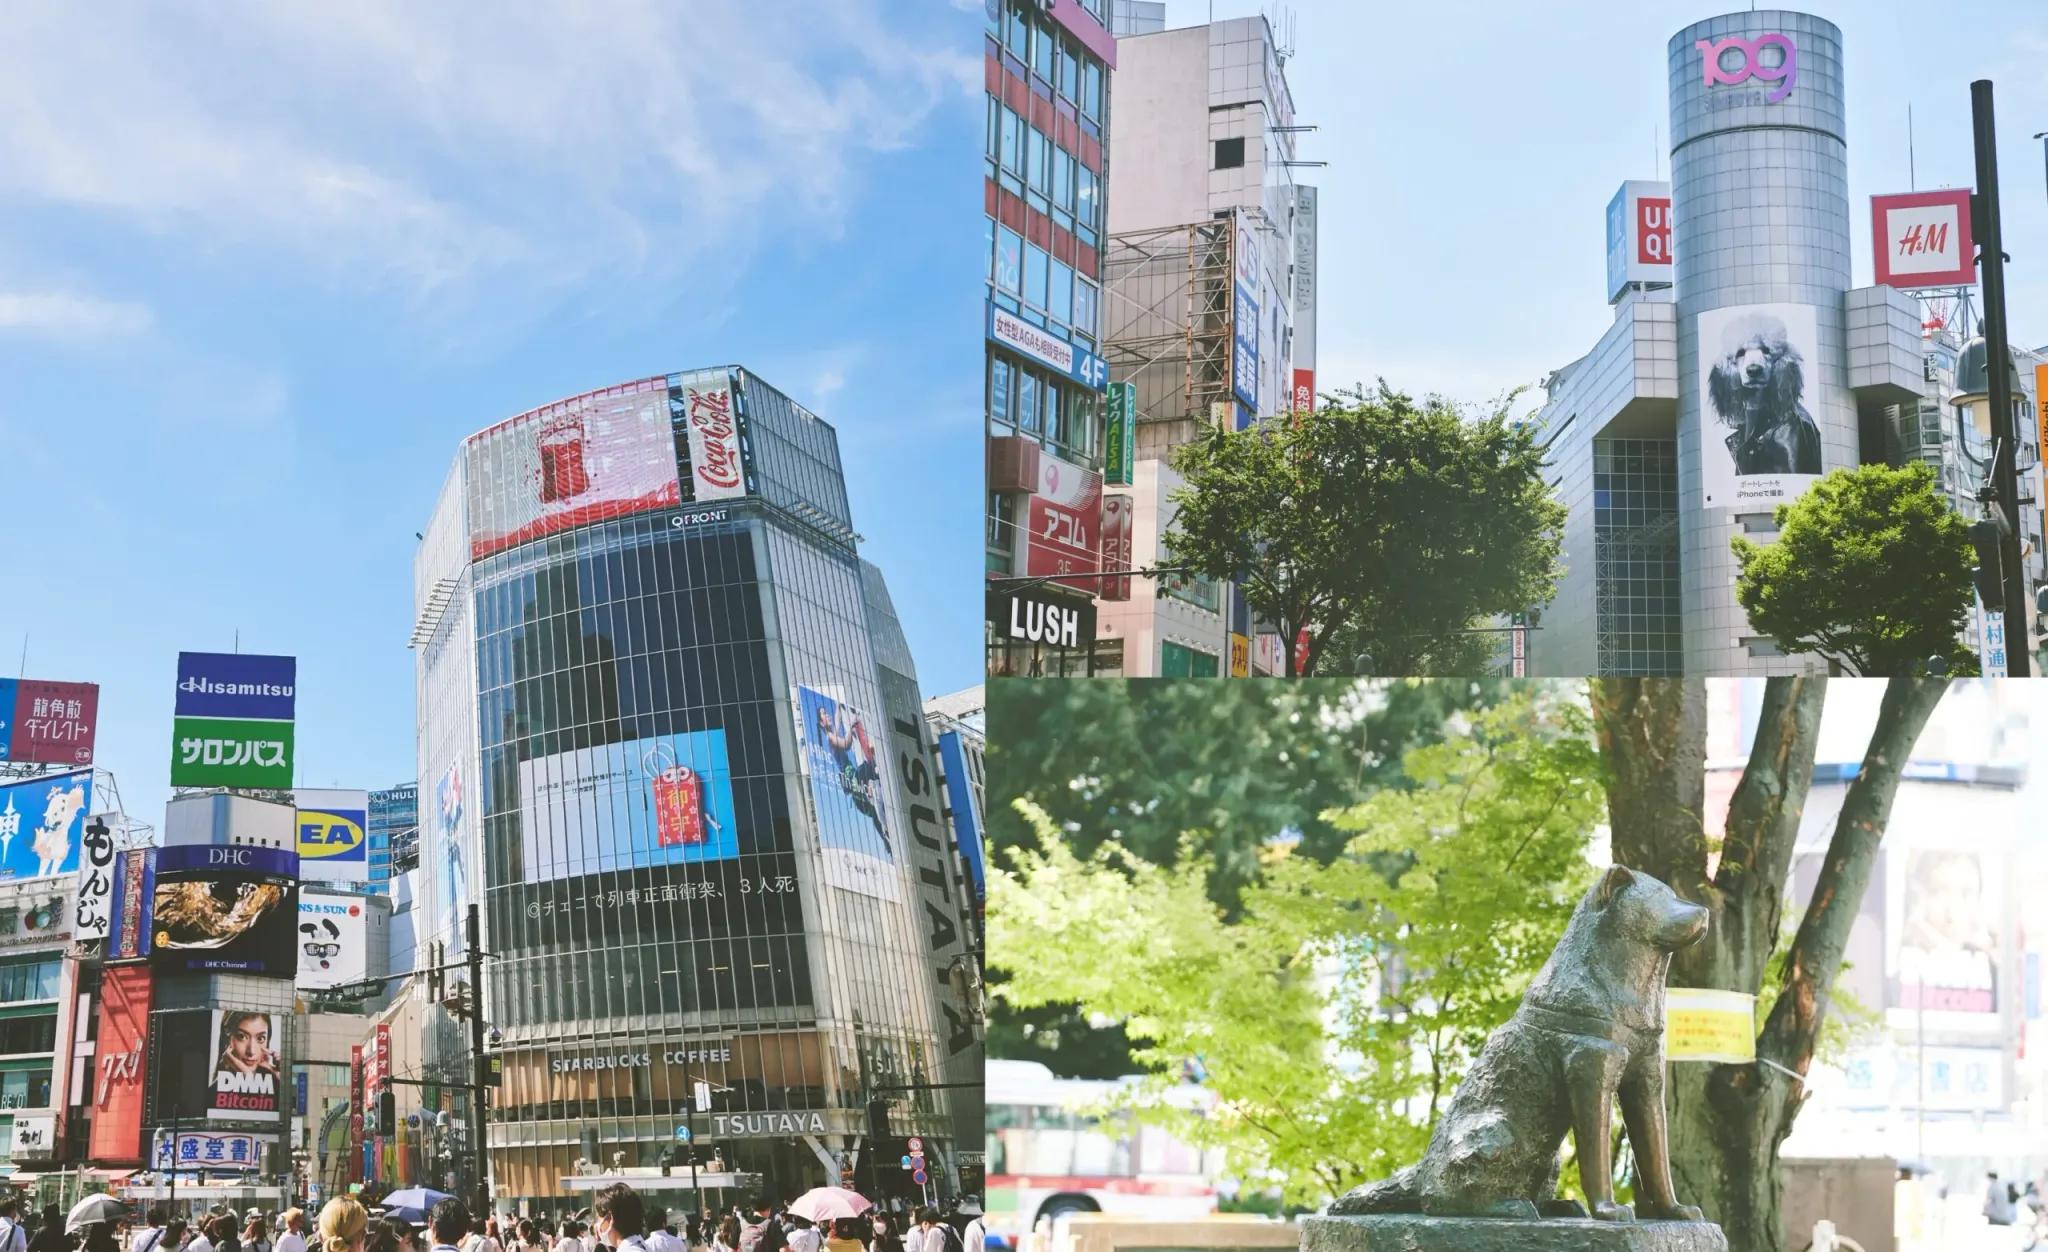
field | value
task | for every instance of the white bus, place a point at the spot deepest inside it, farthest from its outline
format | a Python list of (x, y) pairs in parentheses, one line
[(1049, 1155)]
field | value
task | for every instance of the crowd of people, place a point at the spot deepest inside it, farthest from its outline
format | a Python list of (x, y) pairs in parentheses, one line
[(618, 1218)]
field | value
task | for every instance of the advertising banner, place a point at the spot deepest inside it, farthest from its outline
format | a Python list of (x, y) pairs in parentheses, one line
[(333, 835), (246, 1084), (212, 1150), (2041, 417), (966, 820), (134, 895), (48, 723), (606, 454), (846, 788), (1639, 236), (125, 995), (334, 940), (705, 405), (451, 877), (42, 824), (1120, 450), (1116, 545), (96, 877), (1304, 397), (229, 752), (1307, 217), (1951, 1079), (1062, 518), (33, 1137), (1047, 348), (1945, 954), (355, 1112), (232, 685), (1240, 655), (1759, 446), (1922, 239), (656, 801), (1244, 317), (226, 908)]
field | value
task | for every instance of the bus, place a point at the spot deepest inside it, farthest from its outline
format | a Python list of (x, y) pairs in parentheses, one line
[(1050, 1155)]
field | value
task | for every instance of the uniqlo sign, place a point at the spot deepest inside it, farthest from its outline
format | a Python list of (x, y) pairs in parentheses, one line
[(1922, 239), (1639, 244), (1653, 230)]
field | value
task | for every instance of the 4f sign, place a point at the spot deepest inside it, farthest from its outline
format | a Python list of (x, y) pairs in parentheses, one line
[(1922, 239)]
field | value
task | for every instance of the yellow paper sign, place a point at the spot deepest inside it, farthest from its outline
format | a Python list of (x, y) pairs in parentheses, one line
[(1703, 1025)]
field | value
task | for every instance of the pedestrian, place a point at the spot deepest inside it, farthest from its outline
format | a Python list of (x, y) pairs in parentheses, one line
[(938, 1236), (255, 1234), (975, 1234), (12, 1237), (291, 1228), (803, 1237), (620, 1218), (485, 1240), (342, 1225), (202, 1239), (381, 1236), (99, 1237), (225, 1233), (1997, 1208), (845, 1236), (663, 1239), (49, 1236), (449, 1222), (175, 1234)]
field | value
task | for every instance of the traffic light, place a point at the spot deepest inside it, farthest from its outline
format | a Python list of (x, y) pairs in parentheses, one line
[(387, 1110), (1990, 572)]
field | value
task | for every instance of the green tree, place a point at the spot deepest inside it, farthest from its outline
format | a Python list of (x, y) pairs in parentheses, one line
[(1391, 524), (1871, 569), (1335, 1014), (1728, 1121)]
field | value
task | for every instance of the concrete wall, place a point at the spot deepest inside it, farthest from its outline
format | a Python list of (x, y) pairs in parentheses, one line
[(1158, 131)]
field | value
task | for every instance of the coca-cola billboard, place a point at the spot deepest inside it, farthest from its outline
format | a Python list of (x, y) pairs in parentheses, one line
[(600, 455), (706, 405)]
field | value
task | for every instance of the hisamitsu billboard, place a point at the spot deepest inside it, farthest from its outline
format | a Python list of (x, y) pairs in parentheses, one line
[(223, 684)]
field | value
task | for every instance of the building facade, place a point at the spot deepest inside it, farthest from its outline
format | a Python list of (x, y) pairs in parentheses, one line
[(1684, 427), (658, 751), (1046, 176), (1209, 269), (393, 832)]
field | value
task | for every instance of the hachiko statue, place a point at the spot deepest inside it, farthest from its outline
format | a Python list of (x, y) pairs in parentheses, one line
[(1591, 1028)]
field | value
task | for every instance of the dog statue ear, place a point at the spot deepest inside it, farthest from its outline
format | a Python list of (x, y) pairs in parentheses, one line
[(1615, 879)]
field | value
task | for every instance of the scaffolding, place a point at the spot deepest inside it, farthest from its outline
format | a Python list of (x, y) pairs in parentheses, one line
[(1167, 296)]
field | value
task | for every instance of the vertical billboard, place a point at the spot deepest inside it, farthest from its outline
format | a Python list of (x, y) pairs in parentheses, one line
[(125, 994), (134, 897), (333, 838), (603, 454), (1304, 392), (663, 800), (245, 1081), (334, 940), (451, 880), (705, 405), (48, 723), (1946, 947), (1307, 219), (1244, 316), (1759, 446), (96, 877), (1922, 239), (846, 789), (1116, 545), (232, 721), (42, 824), (1639, 236), (1062, 517), (225, 909), (1120, 450)]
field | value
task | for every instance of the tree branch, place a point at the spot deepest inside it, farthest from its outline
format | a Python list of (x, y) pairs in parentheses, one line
[(1652, 734), (1763, 822), (1815, 957)]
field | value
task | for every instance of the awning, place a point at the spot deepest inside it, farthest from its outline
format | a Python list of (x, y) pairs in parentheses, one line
[(109, 1175)]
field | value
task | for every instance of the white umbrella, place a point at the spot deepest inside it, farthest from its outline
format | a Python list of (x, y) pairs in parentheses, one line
[(822, 1204), (94, 1208)]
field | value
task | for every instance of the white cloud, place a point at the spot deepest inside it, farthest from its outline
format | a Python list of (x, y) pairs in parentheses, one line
[(64, 315), (459, 155)]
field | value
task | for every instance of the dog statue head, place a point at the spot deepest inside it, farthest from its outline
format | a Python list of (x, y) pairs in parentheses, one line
[(1759, 371), (1646, 910)]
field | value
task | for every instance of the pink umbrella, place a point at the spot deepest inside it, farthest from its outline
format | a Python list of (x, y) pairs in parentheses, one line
[(823, 1204)]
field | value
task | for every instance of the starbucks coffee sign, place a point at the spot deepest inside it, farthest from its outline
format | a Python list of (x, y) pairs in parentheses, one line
[(707, 1052)]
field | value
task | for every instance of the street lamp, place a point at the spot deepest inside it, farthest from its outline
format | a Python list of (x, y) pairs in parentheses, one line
[(2000, 554)]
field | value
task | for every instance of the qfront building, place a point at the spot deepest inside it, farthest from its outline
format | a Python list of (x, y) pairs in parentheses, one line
[(1743, 363), (671, 747)]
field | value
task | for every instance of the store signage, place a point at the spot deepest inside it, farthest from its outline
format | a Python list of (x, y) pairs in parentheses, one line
[(697, 517), (231, 752), (1120, 449), (1306, 216), (1638, 235), (209, 1149), (1013, 332), (34, 1136), (1244, 319), (1035, 621), (1063, 517), (1735, 60), (1240, 655), (766, 1125), (1304, 400), (1118, 518), (221, 684), (694, 1054), (48, 723), (333, 838), (1922, 239), (26, 920)]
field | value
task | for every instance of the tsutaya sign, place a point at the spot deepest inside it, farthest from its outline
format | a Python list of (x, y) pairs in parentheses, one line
[(1735, 60), (767, 1125)]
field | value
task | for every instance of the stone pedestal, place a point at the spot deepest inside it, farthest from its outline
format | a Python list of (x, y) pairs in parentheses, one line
[(1405, 1232)]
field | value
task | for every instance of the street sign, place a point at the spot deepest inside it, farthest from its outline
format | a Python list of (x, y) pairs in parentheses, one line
[(920, 1178), (906, 1162), (682, 1134), (916, 1145)]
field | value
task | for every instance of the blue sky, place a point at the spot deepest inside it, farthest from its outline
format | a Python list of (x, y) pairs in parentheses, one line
[(262, 267), (1474, 144)]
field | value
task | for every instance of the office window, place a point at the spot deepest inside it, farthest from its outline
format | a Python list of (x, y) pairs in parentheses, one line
[(1017, 32), (1069, 70), (1035, 262), (1027, 401), (1055, 429), (995, 130), (1041, 51), (1041, 161), (1013, 143), (999, 383), (1084, 308), (1229, 154), (1059, 299), (1091, 91), (1009, 260), (1084, 199)]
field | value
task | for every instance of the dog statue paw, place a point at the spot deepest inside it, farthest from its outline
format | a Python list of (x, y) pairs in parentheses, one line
[(1672, 1213)]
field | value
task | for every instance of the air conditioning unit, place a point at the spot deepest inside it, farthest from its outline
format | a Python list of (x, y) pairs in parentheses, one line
[(1013, 463)]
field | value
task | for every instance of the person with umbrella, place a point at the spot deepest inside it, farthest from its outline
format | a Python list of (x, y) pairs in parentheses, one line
[(49, 1236)]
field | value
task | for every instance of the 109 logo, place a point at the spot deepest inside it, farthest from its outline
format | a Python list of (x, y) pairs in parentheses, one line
[(1785, 72)]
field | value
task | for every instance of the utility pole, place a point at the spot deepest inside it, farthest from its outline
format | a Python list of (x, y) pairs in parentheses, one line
[(2005, 467), (479, 1064)]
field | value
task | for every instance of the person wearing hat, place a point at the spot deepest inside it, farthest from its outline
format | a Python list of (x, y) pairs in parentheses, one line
[(975, 1234)]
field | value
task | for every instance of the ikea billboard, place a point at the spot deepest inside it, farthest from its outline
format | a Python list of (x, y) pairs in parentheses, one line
[(333, 835)]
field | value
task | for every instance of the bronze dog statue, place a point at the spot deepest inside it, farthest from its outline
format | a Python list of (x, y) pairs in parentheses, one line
[(1590, 1029)]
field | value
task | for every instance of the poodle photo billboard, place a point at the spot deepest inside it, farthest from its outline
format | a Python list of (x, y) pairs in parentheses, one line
[(1759, 446)]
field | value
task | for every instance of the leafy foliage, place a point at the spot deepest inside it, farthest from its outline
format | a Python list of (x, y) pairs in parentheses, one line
[(1392, 525), (1871, 569), (1336, 1013)]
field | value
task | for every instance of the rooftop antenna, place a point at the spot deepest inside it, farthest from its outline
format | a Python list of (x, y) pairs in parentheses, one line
[(1912, 176), (23, 671), (1657, 150)]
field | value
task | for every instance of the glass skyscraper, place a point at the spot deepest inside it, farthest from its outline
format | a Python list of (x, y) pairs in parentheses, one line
[(656, 750)]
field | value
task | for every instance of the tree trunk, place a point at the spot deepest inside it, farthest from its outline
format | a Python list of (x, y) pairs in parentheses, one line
[(1728, 1121)]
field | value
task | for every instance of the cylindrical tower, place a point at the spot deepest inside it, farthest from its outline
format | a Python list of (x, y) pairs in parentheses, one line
[(1760, 203)]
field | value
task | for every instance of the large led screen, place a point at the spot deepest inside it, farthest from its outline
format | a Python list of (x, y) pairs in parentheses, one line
[(656, 801)]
